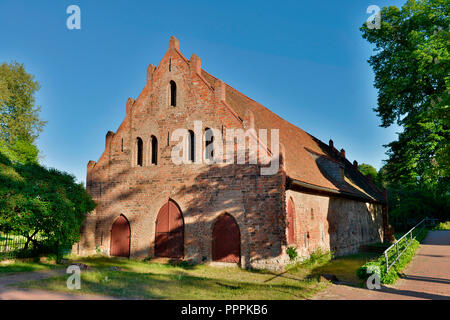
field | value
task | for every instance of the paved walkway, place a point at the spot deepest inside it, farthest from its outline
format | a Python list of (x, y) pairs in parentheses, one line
[(427, 276), (14, 293)]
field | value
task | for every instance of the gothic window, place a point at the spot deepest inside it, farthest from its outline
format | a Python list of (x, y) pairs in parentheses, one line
[(173, 93), (154, 150), (191, 146), (139, 149), (209, 144)]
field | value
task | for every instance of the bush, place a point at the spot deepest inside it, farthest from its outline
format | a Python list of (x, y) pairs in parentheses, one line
[(45, 206), (317, 258), (395, 270), (292, 253), (443, 226)]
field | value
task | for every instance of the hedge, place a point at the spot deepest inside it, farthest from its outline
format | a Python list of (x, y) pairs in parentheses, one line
[(393, 274)]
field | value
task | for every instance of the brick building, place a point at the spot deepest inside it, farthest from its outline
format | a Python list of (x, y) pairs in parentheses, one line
[(149, 206)]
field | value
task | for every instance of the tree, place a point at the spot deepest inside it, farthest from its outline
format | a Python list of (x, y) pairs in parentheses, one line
[(20, 124), (368, 170), (44, 205), (411, 67)]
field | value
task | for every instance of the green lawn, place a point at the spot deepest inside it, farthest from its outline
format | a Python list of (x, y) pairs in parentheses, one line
[(19, 266), (150, 280)]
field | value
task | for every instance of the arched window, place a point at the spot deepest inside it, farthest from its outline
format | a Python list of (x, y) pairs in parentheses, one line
[(154, 150), (191, 146), (140, 148), (209, 144), (173, 93)]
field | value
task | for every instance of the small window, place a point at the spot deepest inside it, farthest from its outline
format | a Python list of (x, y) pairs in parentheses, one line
[(140, 148), (154, 150), (121, 148), (209, 144), (191, 146), (173, 93)]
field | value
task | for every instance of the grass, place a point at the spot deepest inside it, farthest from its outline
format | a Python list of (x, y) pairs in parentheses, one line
[(24, 266), (151, 280), (443, 226)]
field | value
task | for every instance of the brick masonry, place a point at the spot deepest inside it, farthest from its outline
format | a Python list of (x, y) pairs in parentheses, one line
[(205, 191)]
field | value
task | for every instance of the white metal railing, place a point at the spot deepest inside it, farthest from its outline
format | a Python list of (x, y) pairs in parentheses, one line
[(405, 239)]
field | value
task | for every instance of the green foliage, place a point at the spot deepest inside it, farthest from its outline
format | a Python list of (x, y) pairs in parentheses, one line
[(319, 257), (394, 272), (20, 151), (19, 117), (316, 259), (45, 206), (413, 203), (443, 226), (292, 253), (411, 65), (368, 170)]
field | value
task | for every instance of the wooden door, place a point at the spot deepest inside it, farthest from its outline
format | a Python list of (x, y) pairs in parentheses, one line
[(120, 238), (169, 238), (226, 246)]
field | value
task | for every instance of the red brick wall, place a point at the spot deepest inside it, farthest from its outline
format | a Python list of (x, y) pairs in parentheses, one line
[(341, 225), (202, 191)]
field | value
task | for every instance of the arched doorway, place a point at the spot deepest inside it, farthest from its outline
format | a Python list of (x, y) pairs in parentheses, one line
[(290, 222), (169, 237), (120, 237), (226, 246)]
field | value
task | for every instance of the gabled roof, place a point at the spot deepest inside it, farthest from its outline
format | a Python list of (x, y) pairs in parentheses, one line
[(303, 152)]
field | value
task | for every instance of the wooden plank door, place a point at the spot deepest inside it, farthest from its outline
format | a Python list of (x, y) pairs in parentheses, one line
[(120, 238), (169, 238), (226, 246)]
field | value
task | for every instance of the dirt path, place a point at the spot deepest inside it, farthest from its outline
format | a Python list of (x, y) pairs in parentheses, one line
[(427, 276), (14, 293)]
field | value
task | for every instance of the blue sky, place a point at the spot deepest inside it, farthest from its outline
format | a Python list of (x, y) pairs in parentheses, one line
[(306, 61)]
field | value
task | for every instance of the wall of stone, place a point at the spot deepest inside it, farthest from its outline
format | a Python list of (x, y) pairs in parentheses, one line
[(338, 224)]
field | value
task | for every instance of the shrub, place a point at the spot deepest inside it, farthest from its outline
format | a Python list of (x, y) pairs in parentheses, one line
[(45, 206), (443, 226), (292, 253), (393, 274)]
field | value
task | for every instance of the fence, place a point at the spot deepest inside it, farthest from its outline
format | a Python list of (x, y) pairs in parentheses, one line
[(405, 241), (11, 245)]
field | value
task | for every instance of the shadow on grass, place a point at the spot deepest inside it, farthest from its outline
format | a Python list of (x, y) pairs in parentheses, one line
[(17, 267), (141, 280)]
